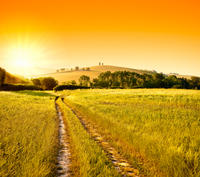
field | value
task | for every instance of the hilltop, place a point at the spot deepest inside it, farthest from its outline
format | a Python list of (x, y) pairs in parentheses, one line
[(92, 72)]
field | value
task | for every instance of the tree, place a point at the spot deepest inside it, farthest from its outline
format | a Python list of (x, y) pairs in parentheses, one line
[(36, 82), (73, 82), (195, 82), (116, 84), (84, 80), (140, 82), (2, 76), (184, 83), (158, 79), (48, 83), (171, 81)]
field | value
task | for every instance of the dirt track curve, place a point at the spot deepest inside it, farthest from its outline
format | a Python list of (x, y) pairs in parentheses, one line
[(121, 164)]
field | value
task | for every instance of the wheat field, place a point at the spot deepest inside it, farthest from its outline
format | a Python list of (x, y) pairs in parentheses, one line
[(28, 134), (157, 130)]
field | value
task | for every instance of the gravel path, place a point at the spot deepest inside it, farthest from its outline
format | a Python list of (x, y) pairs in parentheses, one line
[(64, 153)]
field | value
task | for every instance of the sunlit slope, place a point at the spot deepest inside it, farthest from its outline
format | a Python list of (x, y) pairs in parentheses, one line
[(117, 68), (13, 79), (8, 78), (92, 73)]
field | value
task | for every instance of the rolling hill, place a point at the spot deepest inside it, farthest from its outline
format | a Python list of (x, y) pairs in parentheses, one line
[(92, 73)]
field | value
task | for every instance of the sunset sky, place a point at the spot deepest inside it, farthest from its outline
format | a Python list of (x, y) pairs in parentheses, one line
[(39, 36)]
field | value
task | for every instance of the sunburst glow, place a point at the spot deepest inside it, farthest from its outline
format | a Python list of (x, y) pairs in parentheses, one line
[(24, 55)]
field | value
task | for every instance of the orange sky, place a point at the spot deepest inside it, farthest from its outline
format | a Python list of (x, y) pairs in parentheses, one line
[(162, 35)]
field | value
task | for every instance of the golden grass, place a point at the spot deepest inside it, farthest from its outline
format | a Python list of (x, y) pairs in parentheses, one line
[(88, 159), (157, 130), (28, 134)]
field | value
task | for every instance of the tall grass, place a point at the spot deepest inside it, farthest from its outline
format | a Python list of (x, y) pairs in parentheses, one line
[(28, 134), (88, 159), (157, 130)]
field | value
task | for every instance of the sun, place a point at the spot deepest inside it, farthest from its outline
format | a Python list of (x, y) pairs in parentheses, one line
[(22, 57)]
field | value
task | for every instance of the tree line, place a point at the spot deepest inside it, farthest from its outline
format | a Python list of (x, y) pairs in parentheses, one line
[(49, 83), (118, 79), (126, 79)]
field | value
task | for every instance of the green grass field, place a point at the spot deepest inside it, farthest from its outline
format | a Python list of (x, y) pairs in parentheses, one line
[(28, 134), (157, 130)]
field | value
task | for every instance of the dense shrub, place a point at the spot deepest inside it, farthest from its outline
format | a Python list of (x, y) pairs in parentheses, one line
[(69, 87), (10, 87)]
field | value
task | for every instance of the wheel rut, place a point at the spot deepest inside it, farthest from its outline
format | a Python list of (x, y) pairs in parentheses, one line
[(121, 164), (64, 155)]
